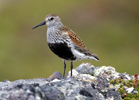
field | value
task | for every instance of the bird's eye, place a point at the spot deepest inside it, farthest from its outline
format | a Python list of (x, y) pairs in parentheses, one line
[(51, 19)]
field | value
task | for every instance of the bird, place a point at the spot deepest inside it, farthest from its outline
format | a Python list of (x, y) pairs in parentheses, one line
[(65, 43)]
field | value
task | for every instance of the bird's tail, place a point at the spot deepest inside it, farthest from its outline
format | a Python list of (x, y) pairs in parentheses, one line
[(93, 57)]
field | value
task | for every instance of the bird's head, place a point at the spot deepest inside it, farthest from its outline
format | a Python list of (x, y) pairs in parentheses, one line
[(50, 20)]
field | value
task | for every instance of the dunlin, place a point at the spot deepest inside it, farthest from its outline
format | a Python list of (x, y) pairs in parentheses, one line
[(64, 42)]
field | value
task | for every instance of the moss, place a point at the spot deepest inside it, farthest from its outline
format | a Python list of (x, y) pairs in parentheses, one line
[(126, 83)]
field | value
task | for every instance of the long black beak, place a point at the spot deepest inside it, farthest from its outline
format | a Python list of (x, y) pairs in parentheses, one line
[(42, 23)]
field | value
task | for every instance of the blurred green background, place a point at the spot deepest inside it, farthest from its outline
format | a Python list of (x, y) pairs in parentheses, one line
[(108, 28)]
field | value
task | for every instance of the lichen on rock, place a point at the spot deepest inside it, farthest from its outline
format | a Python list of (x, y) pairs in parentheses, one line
[(88, 83)]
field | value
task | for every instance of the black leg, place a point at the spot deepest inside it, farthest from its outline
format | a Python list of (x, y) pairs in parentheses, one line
[(71, 66), (64, 68)]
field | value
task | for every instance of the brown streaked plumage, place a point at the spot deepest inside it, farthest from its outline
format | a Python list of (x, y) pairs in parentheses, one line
[(74, 37), (64, 42), (54, 15)]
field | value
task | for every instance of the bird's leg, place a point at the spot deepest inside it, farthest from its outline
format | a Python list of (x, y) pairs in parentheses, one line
[(64, 68), (71, 66)]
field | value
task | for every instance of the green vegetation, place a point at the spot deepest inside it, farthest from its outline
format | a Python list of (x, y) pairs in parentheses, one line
[(108, 29), (121, 89)]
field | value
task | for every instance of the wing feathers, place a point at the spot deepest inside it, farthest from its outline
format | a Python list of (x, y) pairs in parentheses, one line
[(79, 44)]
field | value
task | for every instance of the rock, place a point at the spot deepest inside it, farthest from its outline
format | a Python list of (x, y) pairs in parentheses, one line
[(74, 73), (107, 72), (55, 75), (85, 68), (88, 83)]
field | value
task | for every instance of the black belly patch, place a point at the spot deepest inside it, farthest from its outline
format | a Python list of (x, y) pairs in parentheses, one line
[(62, 50)]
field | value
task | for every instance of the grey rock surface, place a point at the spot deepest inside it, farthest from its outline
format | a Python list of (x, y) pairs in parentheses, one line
[(88, 83)]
